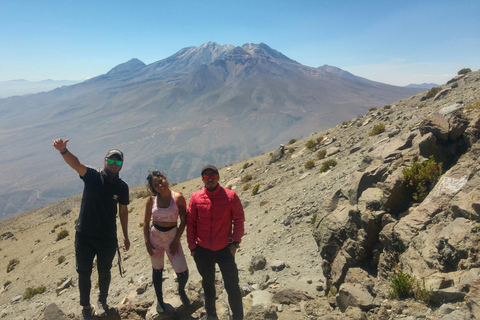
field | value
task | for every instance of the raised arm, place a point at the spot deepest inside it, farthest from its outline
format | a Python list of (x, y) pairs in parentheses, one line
[(69, 157)]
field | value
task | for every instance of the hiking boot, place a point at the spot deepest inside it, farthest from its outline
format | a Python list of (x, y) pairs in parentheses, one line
[(160, 307), (184, 299), (87, 313), (102, 309)]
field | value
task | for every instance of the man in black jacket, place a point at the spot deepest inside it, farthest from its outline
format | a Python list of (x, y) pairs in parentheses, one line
[(96, 228)]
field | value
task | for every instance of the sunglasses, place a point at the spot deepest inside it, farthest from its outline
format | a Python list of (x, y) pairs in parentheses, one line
[(112, 161), (207, 176)]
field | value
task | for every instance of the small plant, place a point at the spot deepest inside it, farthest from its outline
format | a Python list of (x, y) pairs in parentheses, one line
[(454, 85), (473, 105), (61, 259), (432, 92), (387, 106), (255, 189), (421, 105), (372, 109), (421, 177), (345, 123), (422, 293), (140, 225), (292, 141), (309, 164), (377, 129), (321, 154), (326, 165), (290, 149), (464, 71), (229, 187), (314, 219), (246, 186), (62, 234), (130, 281), (7, 283), (143, 194), (12, 264), (402, 286), (245, 165), (247, 178), (30, 292), (311, 144)]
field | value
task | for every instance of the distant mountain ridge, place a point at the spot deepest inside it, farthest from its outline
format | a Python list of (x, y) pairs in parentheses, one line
[(422, 85), (21, 86), (207, 104)]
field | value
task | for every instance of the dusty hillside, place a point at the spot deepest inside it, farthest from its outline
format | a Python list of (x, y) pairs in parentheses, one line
[(331, 240)]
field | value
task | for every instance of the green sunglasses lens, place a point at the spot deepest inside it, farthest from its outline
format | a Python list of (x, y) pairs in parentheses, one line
[(117, 162)]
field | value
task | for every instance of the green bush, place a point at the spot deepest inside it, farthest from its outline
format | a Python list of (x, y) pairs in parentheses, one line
[(245, 165), (377, 129), (387, 106), (432, 92), (326, 165), (454, 85), (61, 259), (311, 144), (464, 71), (247, 178), (292, 141), (7, 283), (12, 264), (62, 234), (246, 186), (421, 105), (314, 218), (405, 285), (309, 164), (321, 154), (402, 286), (30, 292), (255, 188), (372, 109), (421, 177)]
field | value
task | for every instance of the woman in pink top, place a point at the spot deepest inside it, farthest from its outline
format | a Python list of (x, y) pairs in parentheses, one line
[(162, 235)]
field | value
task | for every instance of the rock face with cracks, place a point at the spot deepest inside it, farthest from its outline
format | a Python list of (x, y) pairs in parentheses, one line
[(318, 245)]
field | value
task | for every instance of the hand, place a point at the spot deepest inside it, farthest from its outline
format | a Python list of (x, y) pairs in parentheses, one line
[(233, 249), (173, 247), (192, 253), (60, 145), (126, 244), (149, 248)]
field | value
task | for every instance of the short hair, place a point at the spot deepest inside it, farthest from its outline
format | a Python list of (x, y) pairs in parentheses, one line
[(154, 173)]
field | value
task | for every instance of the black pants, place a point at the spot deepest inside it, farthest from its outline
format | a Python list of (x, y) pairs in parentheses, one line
[(205, 260), (86, 248)]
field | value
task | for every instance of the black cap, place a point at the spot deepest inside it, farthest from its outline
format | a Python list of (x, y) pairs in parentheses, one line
[(209, 167), (114, 152)]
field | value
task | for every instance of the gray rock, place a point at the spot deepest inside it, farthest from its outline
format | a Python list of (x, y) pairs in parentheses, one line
[(354, 295)]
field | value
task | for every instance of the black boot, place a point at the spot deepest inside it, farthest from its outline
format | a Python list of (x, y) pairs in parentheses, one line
[(157, 276), (182, 281)]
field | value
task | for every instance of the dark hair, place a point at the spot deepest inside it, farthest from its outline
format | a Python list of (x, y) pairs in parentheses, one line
[(154, 173)]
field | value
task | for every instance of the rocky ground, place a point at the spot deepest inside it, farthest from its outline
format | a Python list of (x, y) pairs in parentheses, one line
[(304, 254)]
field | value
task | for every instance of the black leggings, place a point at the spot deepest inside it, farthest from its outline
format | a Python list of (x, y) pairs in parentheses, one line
[(86, 248)]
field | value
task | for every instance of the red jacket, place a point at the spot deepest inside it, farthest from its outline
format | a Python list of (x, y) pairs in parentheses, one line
[(214, 219)]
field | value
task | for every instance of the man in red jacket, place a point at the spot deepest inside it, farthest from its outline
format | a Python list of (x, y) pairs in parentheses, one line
[(214, 231)]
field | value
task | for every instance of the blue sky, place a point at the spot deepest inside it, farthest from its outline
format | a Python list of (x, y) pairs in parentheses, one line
[(396, 42)]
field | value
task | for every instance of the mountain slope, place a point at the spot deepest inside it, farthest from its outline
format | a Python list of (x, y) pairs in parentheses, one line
[(210, 103)]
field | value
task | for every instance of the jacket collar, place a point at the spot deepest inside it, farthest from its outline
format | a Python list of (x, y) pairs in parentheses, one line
[(214, 192)]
